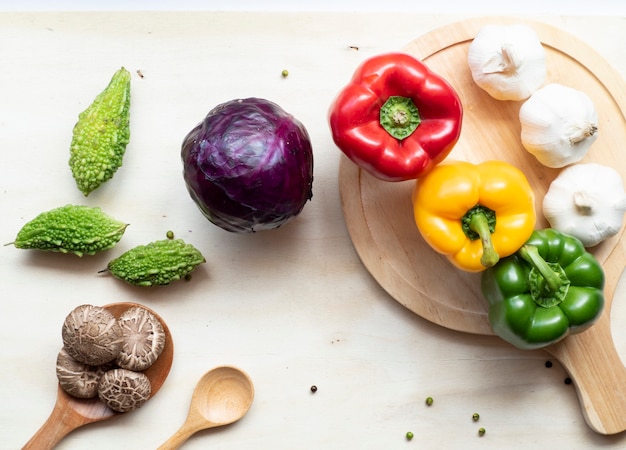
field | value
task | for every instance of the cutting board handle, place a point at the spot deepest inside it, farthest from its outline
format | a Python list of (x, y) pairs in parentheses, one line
[(598, 374)]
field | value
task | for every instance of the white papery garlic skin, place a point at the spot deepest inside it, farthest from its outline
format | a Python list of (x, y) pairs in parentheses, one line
[(507, 61), (559, 124), (586, 201)]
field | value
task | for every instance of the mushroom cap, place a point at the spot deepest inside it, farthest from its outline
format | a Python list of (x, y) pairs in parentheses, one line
[(76, 378), (124, 390), (91, 335), (143, 339)]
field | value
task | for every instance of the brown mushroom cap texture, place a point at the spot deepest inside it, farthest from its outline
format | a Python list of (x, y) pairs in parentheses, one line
[(124, 390), (143, 339), (91, 335), (76, 378)]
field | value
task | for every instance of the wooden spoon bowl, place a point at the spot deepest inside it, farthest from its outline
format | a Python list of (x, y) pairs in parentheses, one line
[(70, 412), (222, 396)]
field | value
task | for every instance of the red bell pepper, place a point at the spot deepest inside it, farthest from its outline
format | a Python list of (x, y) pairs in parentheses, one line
[(396, 118)]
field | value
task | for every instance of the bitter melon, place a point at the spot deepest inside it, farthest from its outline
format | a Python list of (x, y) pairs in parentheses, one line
[(156, 263), (101, 135), (82, 230)]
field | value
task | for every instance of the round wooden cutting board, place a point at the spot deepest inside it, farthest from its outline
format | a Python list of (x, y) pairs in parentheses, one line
[(379, 214)]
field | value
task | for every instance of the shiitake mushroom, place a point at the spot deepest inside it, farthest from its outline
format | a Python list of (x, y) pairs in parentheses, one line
[(91, 335), (104, 356), (143, 339), (124, 390), (76, 378)]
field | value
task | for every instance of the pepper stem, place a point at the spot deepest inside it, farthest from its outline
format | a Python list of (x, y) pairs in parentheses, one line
[(480, 225), (531, 255), (479, 222), (399, 116), (548, 282)]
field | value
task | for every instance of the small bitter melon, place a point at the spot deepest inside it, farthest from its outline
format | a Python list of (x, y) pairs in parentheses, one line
[(156, 263), (82, 230), (101, 135)]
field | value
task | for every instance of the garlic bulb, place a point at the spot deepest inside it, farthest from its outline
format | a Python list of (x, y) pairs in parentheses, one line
[(559, 124), (507, 61), (586, 201)]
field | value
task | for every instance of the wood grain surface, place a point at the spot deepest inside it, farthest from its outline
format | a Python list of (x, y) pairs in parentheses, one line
[(379, 214), (295, 307)]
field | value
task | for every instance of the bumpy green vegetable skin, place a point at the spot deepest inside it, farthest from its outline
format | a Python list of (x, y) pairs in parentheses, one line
[(101, 134), (156, 263), (77, 229)]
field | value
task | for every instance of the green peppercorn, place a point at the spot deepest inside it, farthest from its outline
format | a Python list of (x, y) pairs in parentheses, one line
[(481, 431), (429, 401), (285, 73), (475, 417), (409, 435), (170, 234)]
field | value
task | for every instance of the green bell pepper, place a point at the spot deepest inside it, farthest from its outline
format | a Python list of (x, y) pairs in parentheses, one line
[(549, 288)]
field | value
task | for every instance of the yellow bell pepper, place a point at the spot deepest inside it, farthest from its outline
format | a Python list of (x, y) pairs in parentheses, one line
[(474, 213)]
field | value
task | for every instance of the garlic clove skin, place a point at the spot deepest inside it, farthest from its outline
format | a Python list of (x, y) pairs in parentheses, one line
[(507, 61), (558, 125), (586, 201)]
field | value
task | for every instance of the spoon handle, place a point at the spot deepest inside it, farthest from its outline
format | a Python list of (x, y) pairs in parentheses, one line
[(53, 430), (178, 438)]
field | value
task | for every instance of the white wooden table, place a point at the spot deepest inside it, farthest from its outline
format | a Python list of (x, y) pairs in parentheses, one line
[(293, 307)]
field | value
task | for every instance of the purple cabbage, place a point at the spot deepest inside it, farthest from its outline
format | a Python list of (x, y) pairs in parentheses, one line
[(248, 165)]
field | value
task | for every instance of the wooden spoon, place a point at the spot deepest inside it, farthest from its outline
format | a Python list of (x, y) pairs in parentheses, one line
[(70, 413), (379, 215), (222, 396)]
